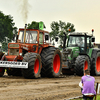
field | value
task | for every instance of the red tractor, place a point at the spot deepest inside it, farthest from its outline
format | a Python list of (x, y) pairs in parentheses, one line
[(32, 55)]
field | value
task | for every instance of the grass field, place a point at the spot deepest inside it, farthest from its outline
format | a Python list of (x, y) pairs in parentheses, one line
[(97, 98)]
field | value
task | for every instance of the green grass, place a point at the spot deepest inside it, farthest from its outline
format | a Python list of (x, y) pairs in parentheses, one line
[(97, 98)]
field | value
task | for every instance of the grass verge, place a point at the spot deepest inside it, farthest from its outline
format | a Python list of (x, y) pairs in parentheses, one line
[(97, 98)]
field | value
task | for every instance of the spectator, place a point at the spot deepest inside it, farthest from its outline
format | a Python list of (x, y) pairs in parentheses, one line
[(88, 82)]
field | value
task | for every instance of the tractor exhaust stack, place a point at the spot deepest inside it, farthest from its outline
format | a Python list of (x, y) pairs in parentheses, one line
[(25, 33)]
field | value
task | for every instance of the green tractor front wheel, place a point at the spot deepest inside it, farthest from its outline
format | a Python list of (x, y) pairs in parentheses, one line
[(82, 63)]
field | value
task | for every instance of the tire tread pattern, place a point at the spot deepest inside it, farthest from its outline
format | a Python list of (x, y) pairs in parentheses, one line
[(79, 64), (30, 58), (47, 56)]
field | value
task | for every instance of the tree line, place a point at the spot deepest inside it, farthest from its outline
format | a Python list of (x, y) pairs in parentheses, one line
[(7, 29)]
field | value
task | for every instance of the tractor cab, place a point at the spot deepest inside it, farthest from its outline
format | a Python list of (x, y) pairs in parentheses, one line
[(81, 40), (33, 36)]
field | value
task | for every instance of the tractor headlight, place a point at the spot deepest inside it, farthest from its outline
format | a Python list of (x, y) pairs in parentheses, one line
[(69, 55), (20, 54), (6, 53)]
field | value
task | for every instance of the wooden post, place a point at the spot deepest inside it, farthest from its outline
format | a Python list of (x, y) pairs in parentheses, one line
[(96, 90)]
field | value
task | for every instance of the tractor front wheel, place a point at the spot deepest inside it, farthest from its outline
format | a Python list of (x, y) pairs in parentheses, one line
[(82, 63), (34, 65)]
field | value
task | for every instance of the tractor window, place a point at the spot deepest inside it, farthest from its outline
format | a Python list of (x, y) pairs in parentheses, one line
[(48, 40), (20, 36), (31, 36), (76, 41), (41, 38), (88, 42)]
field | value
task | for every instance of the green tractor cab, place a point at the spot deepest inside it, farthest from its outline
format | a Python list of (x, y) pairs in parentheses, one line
[(79, 54)]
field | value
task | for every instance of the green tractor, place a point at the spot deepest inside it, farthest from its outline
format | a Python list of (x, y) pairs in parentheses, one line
[(79, 55)]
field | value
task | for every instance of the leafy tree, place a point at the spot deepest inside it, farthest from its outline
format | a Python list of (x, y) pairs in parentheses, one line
[(33, 25), (4, 46), (6, 27), (58, 28)]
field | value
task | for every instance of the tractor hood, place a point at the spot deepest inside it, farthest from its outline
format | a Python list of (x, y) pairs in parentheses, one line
[(74, 52), (13, 45), (19, 46), (73, 48)]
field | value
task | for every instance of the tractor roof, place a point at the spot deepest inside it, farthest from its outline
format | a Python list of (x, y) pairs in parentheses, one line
[(80, 34), (22, 29)]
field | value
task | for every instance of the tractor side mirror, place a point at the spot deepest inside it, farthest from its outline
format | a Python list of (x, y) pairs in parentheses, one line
[(46, 37), (93, 39), (16, 38), (13, 38), (56, 39)]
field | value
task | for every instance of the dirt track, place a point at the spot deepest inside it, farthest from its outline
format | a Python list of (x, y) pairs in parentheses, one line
[(18, 88)]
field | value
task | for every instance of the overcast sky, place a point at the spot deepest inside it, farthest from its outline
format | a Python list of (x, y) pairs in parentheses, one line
[(84, 14)]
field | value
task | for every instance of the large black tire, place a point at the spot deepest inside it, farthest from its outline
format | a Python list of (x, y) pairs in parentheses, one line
[(82, 63), (14, 72), (95, 67), (1, 54), (51, 62), (34, 65), (2, 69)]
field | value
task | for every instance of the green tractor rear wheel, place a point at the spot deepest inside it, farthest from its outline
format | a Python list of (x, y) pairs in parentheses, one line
[(82, 63), (95, 68)]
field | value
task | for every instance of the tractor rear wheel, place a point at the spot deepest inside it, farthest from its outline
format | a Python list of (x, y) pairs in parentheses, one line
[(2, 69), (14, 72), (82, 63), (51, 62), (34, 65), (95, 67)]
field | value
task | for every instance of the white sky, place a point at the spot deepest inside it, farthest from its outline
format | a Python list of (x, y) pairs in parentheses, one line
[(84, 14)]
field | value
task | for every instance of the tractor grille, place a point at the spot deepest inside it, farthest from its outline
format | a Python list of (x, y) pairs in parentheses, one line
[(14, 52), (69, 51), (13, 45)]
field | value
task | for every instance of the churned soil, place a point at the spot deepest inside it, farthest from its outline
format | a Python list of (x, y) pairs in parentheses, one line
[(18, 88)]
